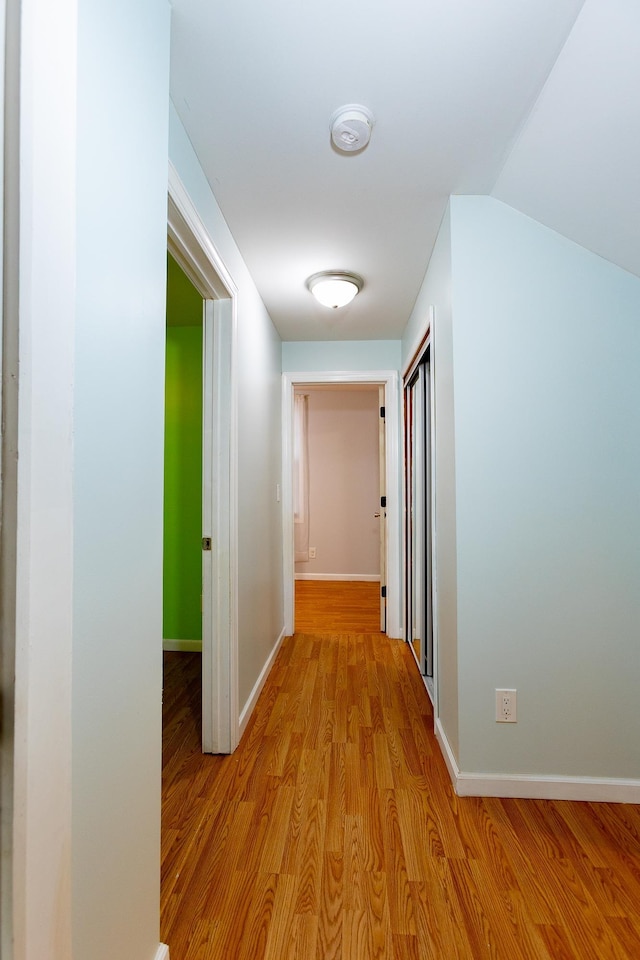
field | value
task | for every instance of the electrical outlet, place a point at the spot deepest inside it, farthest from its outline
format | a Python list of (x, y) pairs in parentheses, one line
[(506, 706), (312, 553)]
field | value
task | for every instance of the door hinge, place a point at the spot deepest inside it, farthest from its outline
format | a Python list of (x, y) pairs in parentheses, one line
[(206, 543), (383, 501), (383, 592), (382, 413)]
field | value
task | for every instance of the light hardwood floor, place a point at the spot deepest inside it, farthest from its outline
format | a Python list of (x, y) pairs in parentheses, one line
[(333, 831), (337, 606)]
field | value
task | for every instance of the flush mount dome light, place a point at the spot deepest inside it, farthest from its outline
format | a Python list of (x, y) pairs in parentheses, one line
[(334, 289), (351, 128)]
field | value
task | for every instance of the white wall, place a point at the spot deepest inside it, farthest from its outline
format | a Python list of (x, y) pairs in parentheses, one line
[(543, 339), (8, 507), (260, 588), (45, 275), (121, 217), (93, 143), (344, 488)]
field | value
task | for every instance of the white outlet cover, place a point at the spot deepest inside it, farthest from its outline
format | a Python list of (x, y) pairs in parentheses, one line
[(510, 715)]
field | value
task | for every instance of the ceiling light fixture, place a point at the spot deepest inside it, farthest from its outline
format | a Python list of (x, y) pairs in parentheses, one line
[(334, 289), (351, 128)]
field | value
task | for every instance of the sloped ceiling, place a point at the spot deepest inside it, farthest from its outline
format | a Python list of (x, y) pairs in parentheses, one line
[(468, 97), (576, 164)]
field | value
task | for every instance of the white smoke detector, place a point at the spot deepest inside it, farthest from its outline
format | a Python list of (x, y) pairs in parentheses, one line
[(351, 128)]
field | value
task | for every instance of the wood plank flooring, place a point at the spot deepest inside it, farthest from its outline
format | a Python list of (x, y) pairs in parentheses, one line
[(333, 831), (342, 606)]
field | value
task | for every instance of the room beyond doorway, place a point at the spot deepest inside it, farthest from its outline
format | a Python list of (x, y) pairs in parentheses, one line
[(182, 580)]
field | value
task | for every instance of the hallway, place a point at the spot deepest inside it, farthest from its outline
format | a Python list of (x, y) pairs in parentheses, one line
[(333, 831)]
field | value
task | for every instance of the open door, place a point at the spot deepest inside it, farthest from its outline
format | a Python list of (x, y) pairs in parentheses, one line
[(207, 528), (220, 720)]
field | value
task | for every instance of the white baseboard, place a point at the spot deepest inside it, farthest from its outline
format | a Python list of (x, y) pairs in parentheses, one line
[(182, 646), (247, 710), (532, 787), (369, 577), (447, 753), (163, 952)]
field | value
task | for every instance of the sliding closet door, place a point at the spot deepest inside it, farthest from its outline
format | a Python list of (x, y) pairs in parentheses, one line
[(419, 626), (428, 585), (418, 524)]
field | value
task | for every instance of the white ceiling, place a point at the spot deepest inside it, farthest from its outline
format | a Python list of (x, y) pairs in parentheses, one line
[(514, 98), (576, 165)]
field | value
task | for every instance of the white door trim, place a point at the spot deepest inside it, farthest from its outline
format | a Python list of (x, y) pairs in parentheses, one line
[(389, 379), (382, 511), (192, 247)]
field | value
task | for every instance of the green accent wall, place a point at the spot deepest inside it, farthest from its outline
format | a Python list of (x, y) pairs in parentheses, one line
[(182, 584)]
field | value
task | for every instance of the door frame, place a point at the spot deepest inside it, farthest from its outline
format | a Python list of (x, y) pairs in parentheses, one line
[(382, 507), (390, 381), (191, 246)]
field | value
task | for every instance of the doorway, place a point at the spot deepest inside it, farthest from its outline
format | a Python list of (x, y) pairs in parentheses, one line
[(388, 380), (182, 565), (192, 249), (339, 518)]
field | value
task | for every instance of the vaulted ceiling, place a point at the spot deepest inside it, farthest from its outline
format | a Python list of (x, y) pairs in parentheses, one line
[(536, 102)]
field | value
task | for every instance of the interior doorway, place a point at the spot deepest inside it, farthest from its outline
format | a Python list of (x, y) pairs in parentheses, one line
[(390, 517), (192, 249), (183, 606), (339, 514)]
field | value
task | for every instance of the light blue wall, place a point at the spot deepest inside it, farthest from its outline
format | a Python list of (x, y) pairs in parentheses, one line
[(435, 292), (546, 339), (121, 221), (336, 356), (258, 358), (433, 304)]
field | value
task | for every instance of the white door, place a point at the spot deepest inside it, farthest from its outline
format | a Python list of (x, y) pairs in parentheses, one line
[(220, 729), (208, 727)]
